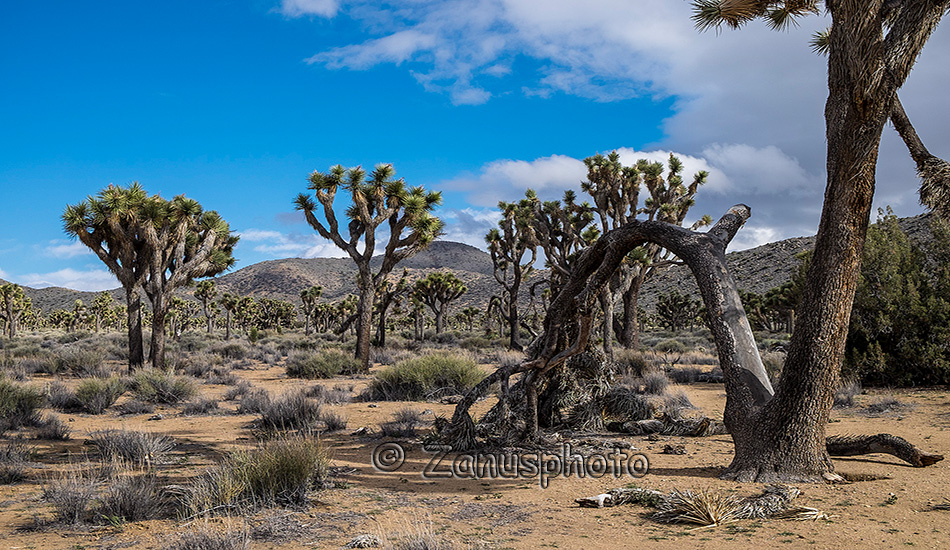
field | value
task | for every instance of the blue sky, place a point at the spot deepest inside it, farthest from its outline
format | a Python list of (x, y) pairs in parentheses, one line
[(234, 103)]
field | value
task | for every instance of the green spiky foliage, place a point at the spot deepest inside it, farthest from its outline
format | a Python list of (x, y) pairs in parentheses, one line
[(309, 297), (102, 309), (513, 246), (373, 201), (13, 305), (152, 244), (437, 291), (276, 313)]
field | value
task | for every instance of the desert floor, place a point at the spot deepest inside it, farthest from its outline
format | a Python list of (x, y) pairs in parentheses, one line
[(890, 505)]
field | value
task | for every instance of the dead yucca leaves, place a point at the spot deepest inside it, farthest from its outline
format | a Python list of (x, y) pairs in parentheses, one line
[(945, 505), (704, 508)]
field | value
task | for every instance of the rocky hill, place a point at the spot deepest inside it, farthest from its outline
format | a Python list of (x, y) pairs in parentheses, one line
[(757, 269)]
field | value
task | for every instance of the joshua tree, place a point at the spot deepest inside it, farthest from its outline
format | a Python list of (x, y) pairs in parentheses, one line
[(101, 308), (205, 292), (675, 311), (309, 298), (389, 294), (872, 47), (380, 199), (153, 244), (508, 244), (229, 303), (13, 304), (437, 291)]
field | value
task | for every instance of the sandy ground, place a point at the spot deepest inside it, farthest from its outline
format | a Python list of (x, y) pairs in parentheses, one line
[(890, 507)]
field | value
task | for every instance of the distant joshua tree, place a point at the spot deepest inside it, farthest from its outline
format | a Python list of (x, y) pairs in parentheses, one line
[(437, 291), (205, 292), (373, 202), (13, 304), (309, 298)]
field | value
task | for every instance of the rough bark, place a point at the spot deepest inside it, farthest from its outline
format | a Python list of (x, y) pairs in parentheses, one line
[(134, 316), (854, 445)]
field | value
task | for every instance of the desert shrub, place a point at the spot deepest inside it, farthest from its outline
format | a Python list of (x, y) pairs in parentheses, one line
[(670, 345), (95, 395), (424, 378), (71, 494), (279, 472), (655, 383), (630, 363), (686, 375), (626, 403), (475, 343), (323, 364), (198, 365), (200, 407), (19, 405), (223, 377), (844, 397), (52, 428), (713, 377), (339, 395), (884, 405), (291, 411), (135, 406), (237, 390), (61, 398), (80, 361), (230, 350), (140, 448), (131, 497), (39, 363), (403, 423), (156, 386), (674, 403), (334, 421), (254, 401), (204, 537), (14, 459)]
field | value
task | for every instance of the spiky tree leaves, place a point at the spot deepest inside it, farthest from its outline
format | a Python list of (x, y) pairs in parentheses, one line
[(152, 244), (872, 47), (373, 201), (508, 245), (13, 304), (437, 291)]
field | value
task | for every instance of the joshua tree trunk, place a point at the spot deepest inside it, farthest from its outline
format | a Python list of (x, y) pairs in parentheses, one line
[(364, 313), (630, 334), (159, 313), (134, 315)]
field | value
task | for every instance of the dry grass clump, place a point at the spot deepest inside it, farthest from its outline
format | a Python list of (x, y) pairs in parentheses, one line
[(322, 364), (81, 362), (426, 377), (844, 397), (203, 536), (339, 395), (52, 428), (140, 448), (19, 405), (95, 395), (403, 424), (201, 406), (291, 411), (71, 494), (884, 405), (14, 462), (132, 497), (333, 421), (704, 508), (627, 404), (156, 386), (279, 472)]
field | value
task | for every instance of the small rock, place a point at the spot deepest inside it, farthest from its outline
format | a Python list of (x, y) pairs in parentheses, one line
[(364, 541), (373, 406), (674, 449), (157, 417)]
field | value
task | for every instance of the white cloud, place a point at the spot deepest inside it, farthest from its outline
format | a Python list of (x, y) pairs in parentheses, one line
[(282, 245), (66, 249), (3, 275), (89, 279), (469, 225), (508, 179), (300, 8)]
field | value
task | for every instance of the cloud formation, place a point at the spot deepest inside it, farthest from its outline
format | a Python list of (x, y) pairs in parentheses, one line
[(91, 279), (302, 8), (66, 249)]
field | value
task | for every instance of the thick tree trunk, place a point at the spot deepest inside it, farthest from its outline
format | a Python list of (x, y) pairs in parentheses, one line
[(157, 349), (439, 319), (630, 334), (381, 326), (607, 306), (364, 319), (134, 320), (227, 325), (514, 322)]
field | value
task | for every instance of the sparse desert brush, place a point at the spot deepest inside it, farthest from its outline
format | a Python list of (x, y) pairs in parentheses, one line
[(14, 460), (475, 343), (253, 401), (95, 395), (130, 496), (654, 383), (71, 493), (291, 411), (322, 364), (203, 536), (686, 375), (773, 361), (631, 363), (80, 361), (279, 472), (424, 378), (844, 397), (237, 390), (52, 428), (201, 406), (156, 386), (135, 406), (230, 350), (671, 345), (339, 395), (626, 403), (19, 405), (403, 423), (139, 448), (198, 365), (61, 398), (333, 421)]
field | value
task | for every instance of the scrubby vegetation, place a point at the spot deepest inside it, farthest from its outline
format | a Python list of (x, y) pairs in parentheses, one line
[(425, 377)]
